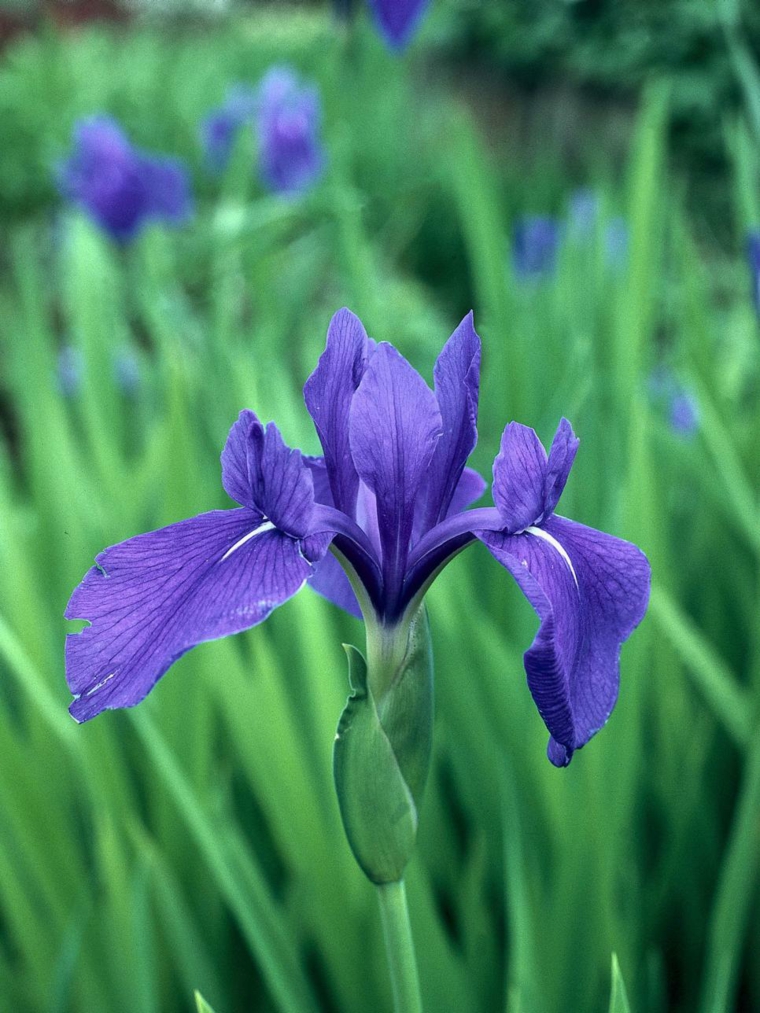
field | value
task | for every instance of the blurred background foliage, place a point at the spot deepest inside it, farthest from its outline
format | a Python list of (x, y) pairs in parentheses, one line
[(195, 842)]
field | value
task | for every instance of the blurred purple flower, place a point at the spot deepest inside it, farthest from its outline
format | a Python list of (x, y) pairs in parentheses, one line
[(288, 115), (397, 20), (534, 246), (70, 368), (753, 258), (684, 413), (391, 494), (675, 400), (220, 128), (120, 187)]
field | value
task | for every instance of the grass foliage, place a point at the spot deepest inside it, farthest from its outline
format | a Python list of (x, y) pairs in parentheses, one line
[(195, 843)]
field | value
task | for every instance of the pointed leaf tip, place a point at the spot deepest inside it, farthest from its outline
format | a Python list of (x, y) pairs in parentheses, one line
[(201, 1005), (618, 997)]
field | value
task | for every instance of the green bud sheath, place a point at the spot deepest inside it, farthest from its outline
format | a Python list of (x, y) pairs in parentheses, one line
[(383, 745)]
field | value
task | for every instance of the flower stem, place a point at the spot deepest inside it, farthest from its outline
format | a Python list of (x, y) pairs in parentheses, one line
[(399, 947)]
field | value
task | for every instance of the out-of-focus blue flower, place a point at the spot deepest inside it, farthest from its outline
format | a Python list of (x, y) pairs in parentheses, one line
[(397, 20), (220, 128), (288, 117), (753, 258), (684, 413), (675, 400), (534, 246), (126, 371), (120, 187), (70, 370), (616, 241), (583, 213)]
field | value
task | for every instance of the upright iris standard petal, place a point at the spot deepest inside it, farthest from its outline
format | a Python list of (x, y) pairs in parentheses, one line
[(236, 475), (151, 598), (519, 477), (457, 381), (561, 456), (282, 484), (394, 426), (398, 19), (328, 394), (259, 471), (590, 591), (120, 187)]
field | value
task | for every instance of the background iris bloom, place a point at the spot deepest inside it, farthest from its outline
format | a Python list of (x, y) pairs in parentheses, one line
[(288, 119), (389, 495), (398, 19), (120, 187)]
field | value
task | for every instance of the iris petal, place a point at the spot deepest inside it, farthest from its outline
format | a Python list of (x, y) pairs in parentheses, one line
[(236, 477), (394, 426), (328, 393), (457, 380), (150, 599), (397, 19), (330, 581), (561, 456), (261, 472), (167, 191), (590, 591), (519, 474)]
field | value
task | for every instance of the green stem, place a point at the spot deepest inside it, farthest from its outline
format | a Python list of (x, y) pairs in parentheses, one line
[(399, 946)]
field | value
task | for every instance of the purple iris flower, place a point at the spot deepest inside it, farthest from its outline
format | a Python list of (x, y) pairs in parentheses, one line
[(675, 401), (397, 20), (389, 497), (291, 157), (220, 128), (120, 187), (534, 246), (684, 414), (753, 258)]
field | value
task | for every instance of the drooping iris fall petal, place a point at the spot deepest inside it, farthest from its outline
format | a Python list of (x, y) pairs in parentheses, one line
[(590, 591), (151, 598)]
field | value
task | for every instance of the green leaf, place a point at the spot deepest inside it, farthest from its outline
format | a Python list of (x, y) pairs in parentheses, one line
[(730, 701), (618, 997), (201, 1005)]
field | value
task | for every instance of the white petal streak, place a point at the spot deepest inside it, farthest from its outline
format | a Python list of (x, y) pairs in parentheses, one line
[(540, 533), (266, 526)]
